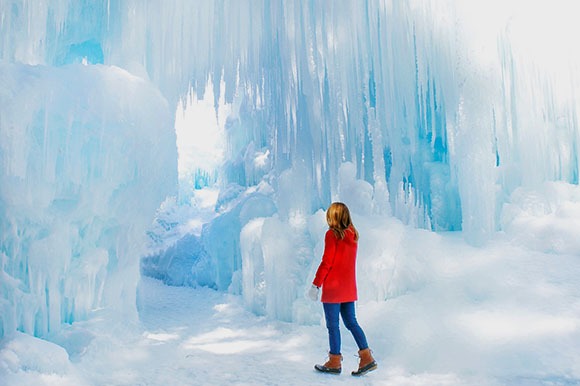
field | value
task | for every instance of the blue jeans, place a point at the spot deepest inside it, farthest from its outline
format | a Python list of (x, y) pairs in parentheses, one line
[(346, 310)]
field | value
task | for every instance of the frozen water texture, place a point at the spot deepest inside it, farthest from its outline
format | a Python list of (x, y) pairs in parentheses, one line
[(449, 128), (78, 187)]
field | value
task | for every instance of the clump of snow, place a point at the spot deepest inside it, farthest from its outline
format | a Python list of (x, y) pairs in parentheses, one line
[(546, 218)]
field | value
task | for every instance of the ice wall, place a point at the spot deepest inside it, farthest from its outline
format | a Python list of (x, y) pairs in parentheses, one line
[(441, 105), (436, 102), (444, 108), (87, 154)]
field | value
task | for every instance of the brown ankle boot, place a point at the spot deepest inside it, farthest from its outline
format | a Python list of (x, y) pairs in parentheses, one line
[(367, 362), (333, 364)]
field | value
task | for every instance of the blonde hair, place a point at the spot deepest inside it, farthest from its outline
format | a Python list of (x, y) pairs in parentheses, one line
[(339, 220)]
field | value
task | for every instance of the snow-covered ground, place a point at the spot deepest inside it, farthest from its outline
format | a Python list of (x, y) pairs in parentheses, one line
[(499, 315)]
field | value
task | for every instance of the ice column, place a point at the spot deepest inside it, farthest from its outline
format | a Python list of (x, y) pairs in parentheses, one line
[(87, 155)]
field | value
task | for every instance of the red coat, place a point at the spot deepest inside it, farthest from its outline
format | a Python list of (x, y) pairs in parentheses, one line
[(336, 273)]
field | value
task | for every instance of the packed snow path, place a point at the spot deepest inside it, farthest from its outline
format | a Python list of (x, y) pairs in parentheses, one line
[(203, 337)]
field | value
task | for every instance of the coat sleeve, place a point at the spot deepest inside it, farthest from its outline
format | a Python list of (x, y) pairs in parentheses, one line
[(330, 241)]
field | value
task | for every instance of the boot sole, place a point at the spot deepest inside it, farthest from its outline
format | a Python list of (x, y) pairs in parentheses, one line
[(327, 370), (362, 371)]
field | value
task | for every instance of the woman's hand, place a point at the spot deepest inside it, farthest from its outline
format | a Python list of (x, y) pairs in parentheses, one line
[(313, 292)]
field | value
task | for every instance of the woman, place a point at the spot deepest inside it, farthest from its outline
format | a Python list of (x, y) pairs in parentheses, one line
[(337, 277)]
